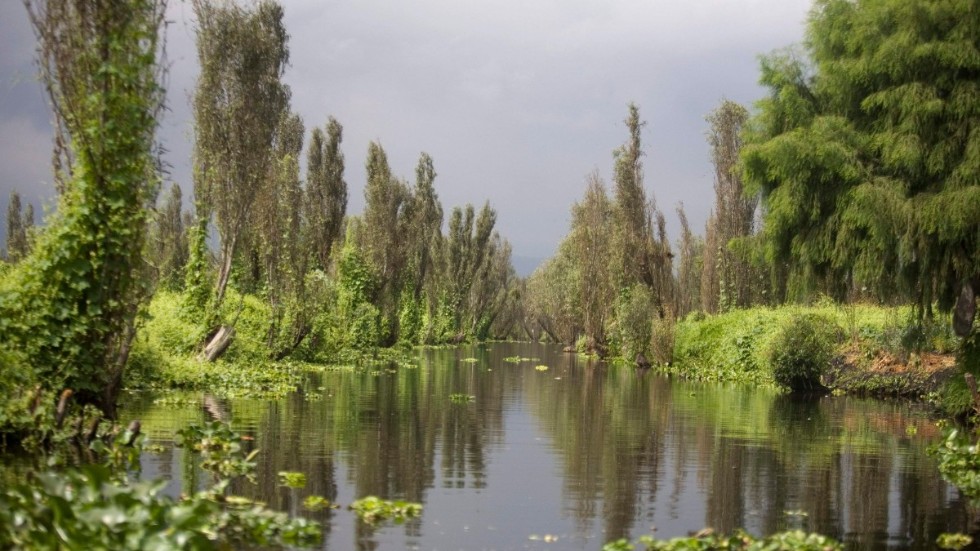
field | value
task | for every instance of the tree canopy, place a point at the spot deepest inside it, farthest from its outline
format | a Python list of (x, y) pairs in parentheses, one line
[(867, 149)]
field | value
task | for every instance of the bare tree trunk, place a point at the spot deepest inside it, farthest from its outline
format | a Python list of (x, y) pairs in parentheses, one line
[(224, 272), (218, 344)]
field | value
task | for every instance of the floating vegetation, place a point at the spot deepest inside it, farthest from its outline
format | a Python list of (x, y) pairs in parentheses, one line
[(953, 541), (519, 359), (461, 398), (372, 509), (292, 479), (318, 503), (470, 360), (541, 367)]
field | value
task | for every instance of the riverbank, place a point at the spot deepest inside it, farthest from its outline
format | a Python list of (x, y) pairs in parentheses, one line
[(878, 351)]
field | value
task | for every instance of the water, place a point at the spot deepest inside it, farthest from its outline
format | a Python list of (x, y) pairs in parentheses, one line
[(580, 452)]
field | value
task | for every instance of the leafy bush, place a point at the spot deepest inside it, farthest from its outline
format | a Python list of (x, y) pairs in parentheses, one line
[(633, 323), (802, 347), (959, 462)]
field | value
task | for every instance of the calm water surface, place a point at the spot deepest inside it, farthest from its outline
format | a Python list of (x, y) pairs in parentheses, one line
[(580, 452)]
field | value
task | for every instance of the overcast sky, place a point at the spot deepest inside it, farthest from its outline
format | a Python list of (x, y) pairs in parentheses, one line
[(515, 100)]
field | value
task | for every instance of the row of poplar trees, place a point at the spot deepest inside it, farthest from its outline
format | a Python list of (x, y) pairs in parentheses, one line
[(331, 281), (858, 176)]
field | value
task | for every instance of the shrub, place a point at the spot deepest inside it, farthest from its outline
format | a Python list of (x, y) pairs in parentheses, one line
[(662, 340), (633, 323), (803, 345)]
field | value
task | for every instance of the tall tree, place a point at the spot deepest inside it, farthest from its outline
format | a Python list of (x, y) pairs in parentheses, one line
[(866, 153), (69, 308), (633, 225), (691, 248), (732, 276), (326, 190), (239, 102), (276, 235), (640, 256), (426, 221), (168, 241), (590, 235), (386, 198)]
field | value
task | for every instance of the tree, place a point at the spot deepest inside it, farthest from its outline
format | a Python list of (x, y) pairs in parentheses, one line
[(168, 241), (422, 236), (590, 235), (426, 223), (633, 226), (326, 190), (68, 309), (732, 277), (239, 102), (866, 153), (640, 257), (281, 249), (690, 268), (16, 229), (386, 198)]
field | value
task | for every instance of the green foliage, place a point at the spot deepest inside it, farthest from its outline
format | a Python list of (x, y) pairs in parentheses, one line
[(959, 462), (292, 479), (239, 103), (953, 541), (69, 308), (801, 349), (326, 191), (737, 346), (317, 503), (165, 352), (633, 326), (220, 448), (168, 247), (708, 541), (865, 150), (726, 347), (93, 506), (372, 510), (197, 272)]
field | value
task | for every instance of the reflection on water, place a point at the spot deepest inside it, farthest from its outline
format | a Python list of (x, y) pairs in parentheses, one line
[(580, 451)]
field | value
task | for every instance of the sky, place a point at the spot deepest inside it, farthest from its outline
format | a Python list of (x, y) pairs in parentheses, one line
[(517, 101)]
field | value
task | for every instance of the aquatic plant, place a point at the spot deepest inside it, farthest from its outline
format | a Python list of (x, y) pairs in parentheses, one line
[(292, 479), (707, 540), (98, 506), (959, 461), (372, 509)]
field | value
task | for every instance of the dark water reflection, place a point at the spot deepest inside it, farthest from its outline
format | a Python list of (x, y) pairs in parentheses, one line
[(583, 452)]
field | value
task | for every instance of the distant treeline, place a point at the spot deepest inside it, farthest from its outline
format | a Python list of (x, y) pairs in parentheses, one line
[(857, 177)]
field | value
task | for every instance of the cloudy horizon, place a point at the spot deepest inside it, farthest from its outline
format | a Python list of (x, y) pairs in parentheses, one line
[(516, 102)]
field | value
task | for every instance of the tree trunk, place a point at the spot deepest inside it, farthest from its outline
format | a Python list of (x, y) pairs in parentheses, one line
[(218, 344)]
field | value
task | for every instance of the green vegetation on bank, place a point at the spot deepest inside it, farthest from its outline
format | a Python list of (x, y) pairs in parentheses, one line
[(846, 345)]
